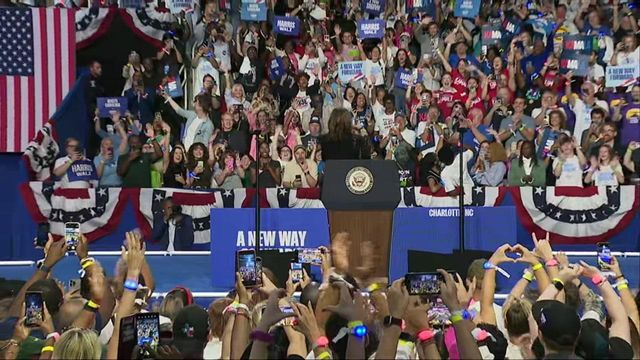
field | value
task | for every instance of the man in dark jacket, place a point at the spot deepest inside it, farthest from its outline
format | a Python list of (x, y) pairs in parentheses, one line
[(172, 230)]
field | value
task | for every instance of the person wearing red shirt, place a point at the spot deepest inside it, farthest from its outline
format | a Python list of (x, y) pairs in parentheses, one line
[(473, 99), (446, 96)]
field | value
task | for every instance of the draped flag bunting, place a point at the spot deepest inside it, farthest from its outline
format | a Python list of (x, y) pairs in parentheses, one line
[(571, 215)]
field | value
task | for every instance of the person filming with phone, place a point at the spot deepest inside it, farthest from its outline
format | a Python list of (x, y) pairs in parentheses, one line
[(74, 170), (302, 173), (172, 230)]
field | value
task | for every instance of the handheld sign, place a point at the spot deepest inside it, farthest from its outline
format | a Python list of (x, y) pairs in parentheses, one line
[(467, 8), (578, 63), (174, 87), (350, 70), (373, 7), (582, 44), (371, 29), (176, 6), (82, 170), (286, 25), (622, 75), (404, 78), (108, 104), (276, 68), (253, 11)]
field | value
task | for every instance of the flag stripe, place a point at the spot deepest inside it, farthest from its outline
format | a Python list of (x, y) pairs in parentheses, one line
[(31, 95), (55, 23)]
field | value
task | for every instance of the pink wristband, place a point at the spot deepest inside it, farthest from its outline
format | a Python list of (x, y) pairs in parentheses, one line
[(597, 279), (552, 262)]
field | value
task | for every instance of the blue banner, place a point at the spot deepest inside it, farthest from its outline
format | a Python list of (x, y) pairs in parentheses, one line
[(404, 78), (174, 87), (467, 8), (373, 7), (491, 34), (486, 228), (426, 6), (82, 170), (371, 29), (276, 68), (253, 11), (286, 25), (580, 44), (348, 70), (108, 104), (576, 62), (511, 26), (285, 229), (176, 6)]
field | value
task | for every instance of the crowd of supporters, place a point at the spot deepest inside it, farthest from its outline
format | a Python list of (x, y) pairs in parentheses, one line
[(519, 117)]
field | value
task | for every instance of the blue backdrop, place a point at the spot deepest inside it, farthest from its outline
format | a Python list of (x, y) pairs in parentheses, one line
[(284, 229)]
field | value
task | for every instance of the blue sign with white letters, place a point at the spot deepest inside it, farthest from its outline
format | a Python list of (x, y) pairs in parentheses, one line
[(371, 29), (108, 104), (284, 229), (286, 25), (253, 11), (467, 8), (82, 170), (373, 7)]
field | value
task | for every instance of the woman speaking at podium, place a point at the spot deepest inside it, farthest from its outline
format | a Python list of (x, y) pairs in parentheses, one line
[(341, 143)]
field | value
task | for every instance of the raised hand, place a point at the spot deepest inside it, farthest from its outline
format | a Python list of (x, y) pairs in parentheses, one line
[(56, 251), (449, 291), (241, 290), (307, 321), (272, 313), (572, 271), (464, 294), (398, 299), (542, 247), (348, 308), (133, 253), (500, 256), (526, 255), (82, 249)]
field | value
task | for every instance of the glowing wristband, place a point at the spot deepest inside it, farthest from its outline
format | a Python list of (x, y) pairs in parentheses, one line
[(536, 267), (54, 335), (455, 318), (244, 307), (87, 259), (489, 266), (597, 279), (324, 355), (92, 304), (46, 349), (373, 287), (528, 276), (86, 264), (551, 262), (322, 341), (357, 328), (622, 286), (131, 285), (425, 335)]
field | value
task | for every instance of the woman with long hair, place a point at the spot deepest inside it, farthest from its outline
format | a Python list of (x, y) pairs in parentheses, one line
[(490, 168), (340, 142), (567, 166), (363, 122), (227, 171), (605, 169), (548, 136), (527, 169), (198, 167), (78, 344), (401, 63), (174, 168)]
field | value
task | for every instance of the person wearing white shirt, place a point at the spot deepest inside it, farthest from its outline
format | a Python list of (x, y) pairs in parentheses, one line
[(583, 105), (450, 174), (567, 167), (398, 134), (374, 68), (605, 170), (386, 119), (626, 52), (312, 63)]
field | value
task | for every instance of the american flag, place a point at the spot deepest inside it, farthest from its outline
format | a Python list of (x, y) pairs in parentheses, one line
[(37, 68)]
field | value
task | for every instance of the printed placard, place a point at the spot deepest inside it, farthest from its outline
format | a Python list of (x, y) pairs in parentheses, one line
[(583, 44), (108, 104), (82, 170), (404, 78), (276, 68), (578, 63), (373, 7), (286, 25), (176, 6), (467, 8), (371, 29), (622, 75), (350, 70), (253, 11)]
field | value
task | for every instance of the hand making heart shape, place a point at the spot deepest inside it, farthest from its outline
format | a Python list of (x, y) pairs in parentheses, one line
[(500, 255)]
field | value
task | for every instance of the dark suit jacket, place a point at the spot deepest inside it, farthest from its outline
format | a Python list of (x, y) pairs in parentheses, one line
[(183, 237)]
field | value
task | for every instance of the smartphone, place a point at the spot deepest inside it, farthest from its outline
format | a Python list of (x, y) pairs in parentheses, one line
[(288, 321), (42, 235), (298, 177), (246, 265), (148, 330), (310, 256), (34, 308), (604, 255), (229, 164), (296, 272), (200, 164), (438, 314), (141, 329), (110, 129), (72, 235), (424, 283)]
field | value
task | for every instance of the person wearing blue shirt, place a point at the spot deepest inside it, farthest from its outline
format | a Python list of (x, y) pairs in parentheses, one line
[(461, 53), (140, 99), (476, 131), (116, 132), (107, 164), (533, 63)]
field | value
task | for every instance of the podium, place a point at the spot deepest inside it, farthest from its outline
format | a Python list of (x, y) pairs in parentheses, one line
[(360, 196)]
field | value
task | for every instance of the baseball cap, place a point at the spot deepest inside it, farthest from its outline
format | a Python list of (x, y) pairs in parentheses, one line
[(191, 329), (557, 322), (315, 120)]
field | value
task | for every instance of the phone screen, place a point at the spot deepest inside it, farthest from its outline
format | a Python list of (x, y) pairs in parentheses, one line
[(71, 235), (427, 283), (604, 256), (310, 256), (148, 330), (296, 272), (200, 163), (34, 308), (247, 267), (229, 163), (438, 314)]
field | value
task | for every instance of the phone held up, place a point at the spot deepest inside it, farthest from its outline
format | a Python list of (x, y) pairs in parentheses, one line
[(246, 266), (72, 235), (296, 272), (604, 256), (141, 330), (34, 308)]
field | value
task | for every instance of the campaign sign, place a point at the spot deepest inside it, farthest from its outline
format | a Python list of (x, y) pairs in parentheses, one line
[(622, 75), (424, 6), (467, 8), (511, 25), (373, 7), (108, 104), (174, 87), (82, 170), (131, 4), (253, 11), (404, 78), (282, 229), (571, 61), (582, 44), (176, 6), (371, 29), (286, 25), (491, 34), (486, 228), (349, 69), (276, 68)]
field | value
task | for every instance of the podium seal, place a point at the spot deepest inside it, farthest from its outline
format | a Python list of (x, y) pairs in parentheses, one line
[(359, 180)]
